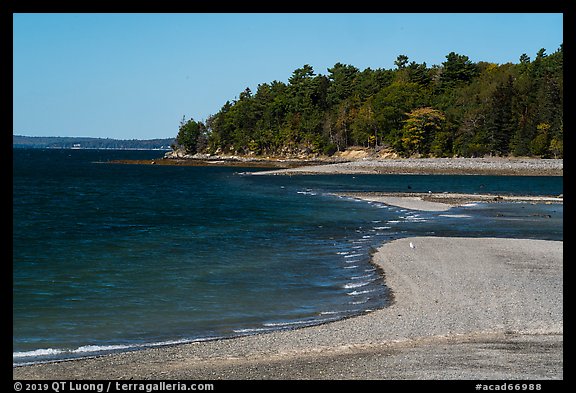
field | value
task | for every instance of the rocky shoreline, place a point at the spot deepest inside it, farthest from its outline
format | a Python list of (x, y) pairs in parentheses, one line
[(361, 164), (452, 166)]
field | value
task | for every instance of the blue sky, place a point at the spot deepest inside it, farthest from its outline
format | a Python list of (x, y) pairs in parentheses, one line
[(133, 76)]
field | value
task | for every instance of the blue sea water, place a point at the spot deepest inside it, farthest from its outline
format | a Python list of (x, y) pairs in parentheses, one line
[(111, 257)]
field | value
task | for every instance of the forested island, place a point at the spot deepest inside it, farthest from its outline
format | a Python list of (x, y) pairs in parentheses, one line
[(456, 109)]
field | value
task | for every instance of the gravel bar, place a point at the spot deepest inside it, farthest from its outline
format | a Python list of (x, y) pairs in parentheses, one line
[(468, 166)]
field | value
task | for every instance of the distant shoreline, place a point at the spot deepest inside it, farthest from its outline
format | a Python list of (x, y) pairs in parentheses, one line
[(77, 142), (495, 166)]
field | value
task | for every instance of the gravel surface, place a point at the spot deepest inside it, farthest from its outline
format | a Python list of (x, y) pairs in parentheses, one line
[(482, 166), (481, 308)]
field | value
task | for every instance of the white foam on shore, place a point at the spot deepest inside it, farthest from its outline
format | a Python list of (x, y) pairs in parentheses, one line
[(341, 312), (253, 330), (307, 322), (42, 355), (355, 293), (37, 352)]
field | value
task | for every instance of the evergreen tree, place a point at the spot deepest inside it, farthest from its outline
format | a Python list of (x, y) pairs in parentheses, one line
[(457, 69), (342, 78), (190, 135), (500, 121), (460, 107)]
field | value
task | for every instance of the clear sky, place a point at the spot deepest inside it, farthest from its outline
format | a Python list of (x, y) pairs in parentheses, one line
[(133, 76)]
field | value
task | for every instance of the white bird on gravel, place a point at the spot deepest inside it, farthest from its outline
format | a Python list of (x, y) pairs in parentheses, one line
[(412, 245)]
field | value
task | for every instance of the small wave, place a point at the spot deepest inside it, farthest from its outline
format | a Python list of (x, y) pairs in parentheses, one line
[(381, 228), (37, 352), (98, 348), (364, 276), (298, 323), (351, 267), (40, 355), (393, 221), (341, 312), (291, 323), (351, 285), (355, 293), (455, 215), (360, 301), (252, 330), (353, 255)]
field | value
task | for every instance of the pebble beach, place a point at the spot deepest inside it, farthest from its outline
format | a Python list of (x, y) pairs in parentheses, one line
[(467, 166)]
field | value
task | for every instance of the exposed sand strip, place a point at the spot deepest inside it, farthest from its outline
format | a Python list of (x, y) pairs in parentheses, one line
[(443, 201)]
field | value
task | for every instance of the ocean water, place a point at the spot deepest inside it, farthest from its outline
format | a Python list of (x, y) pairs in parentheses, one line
[(111, 257)]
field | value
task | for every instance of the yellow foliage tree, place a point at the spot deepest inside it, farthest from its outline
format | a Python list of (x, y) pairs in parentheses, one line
[(419, 129)]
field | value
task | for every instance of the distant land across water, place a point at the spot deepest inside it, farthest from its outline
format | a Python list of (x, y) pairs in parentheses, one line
[(63, 142)]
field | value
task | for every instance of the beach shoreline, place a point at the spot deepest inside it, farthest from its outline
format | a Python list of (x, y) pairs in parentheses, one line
[(497, 166), (464, 308), (444, 201)]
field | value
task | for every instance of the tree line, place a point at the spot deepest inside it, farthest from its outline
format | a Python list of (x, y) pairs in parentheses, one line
[(459, 108), (65, 142)]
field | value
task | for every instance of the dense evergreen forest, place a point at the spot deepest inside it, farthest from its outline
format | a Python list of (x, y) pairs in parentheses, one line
[(459, 108)]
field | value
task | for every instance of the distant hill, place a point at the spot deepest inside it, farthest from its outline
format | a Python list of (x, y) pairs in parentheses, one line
[(63, 142)]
